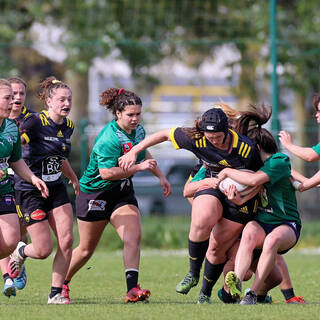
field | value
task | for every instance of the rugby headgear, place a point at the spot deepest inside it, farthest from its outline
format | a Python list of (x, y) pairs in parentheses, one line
[(214, 120)]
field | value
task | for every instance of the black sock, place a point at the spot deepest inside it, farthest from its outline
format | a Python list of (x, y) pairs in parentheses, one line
[(6, 276), (261, 298), (227, 297), (288, 293), (211, 275), (197, 253), (66, 282), (21, 252), (132, 279), (54, 291)]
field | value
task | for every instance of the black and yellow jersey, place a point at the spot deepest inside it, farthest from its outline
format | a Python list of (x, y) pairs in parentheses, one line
[(47, 145), (242, 153), (25, 113)]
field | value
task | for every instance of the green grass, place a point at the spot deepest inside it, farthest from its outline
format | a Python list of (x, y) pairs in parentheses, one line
[(98, 291)]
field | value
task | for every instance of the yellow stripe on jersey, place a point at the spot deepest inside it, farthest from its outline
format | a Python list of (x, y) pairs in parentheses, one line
[(201, 143), (171, 137), (244, 150), (44, 120), (256, 202), (23, 110), (25, 137), (20, 215), (197, 143), (70, 123), (235, 138), (241, 147), (204, 141), (247, 153)]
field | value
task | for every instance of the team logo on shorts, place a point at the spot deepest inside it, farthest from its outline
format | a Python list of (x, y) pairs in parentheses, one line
[(8, 200), (127, 147), (38, 215), (96, 205)]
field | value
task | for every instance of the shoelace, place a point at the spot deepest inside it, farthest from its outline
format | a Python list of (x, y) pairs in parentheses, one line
[(187, 279)]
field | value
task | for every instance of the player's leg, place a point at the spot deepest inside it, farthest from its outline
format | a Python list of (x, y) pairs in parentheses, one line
[(206, 211), (126, 221)]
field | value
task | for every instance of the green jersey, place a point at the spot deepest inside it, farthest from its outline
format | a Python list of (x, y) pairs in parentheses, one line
[(111, 143), (316, 148), (10, 151), (200, 175), (278, 198)]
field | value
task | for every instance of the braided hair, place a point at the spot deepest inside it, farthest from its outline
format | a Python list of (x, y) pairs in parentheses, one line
[(115, 99)]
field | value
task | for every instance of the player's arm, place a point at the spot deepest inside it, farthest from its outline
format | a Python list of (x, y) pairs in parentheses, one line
[(70, 174), (26, 174), (305, 153), (310, 183), (129, 159), (165, 184), (246, 178)]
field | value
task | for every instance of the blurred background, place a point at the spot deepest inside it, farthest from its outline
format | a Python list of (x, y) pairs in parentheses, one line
[(180, 57)]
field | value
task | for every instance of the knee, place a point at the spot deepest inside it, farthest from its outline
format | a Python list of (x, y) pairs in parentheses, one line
[(200, 228), (248, 241), (132, 240), (270, 244), (66, 243), (44, 252)]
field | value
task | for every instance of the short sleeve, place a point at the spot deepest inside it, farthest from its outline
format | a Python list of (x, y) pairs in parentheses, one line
[(180, 140), (316, 148), (16, 151), (200, 175), (277, 168), (107, 154), (29, 127)]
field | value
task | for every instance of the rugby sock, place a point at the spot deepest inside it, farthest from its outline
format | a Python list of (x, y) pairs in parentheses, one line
[(211, 275), (6, 276), (288, 293), (131, 278), (227, 297), (21, 252), (261, 298), (54, 291), (197, 253)]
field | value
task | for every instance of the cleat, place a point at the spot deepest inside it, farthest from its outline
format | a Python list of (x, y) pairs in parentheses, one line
[(234, 285), (137, 294), (296, 300), (267, 299), (21, 281), (65, 291), (58, 299), (249, 299), (203, 299), (15, 265), (220, 295), (9, 288), (187, 283)]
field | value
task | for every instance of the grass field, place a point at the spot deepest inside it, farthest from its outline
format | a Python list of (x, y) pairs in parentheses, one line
[(98, 291)]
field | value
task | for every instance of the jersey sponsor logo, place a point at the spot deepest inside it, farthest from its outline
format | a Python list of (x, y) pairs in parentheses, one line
[(127, 147), (96, 205), (38, 215), (51, 168), (224, 163), (51, 139), (8, 200), (244, 210), (59, 134)]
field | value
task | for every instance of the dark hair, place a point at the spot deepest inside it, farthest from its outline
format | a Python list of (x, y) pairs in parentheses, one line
[(315, 101), (115, 99), (249, 124), (49, 85), (17, 80)]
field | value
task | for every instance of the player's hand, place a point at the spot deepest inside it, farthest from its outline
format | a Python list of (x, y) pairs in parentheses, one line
[(147, 164), (75, 185), (2, 174), (40, 185), (285, 138), (166, 186), (232, 193), (127, 160), (223, 174), (212, 182)]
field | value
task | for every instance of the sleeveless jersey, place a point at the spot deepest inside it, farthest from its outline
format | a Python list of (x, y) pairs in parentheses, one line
[(10, 151), (48, 144), (111, 143), (242, 153)]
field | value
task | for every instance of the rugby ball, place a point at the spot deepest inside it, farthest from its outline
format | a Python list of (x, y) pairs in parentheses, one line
[(227, 182)]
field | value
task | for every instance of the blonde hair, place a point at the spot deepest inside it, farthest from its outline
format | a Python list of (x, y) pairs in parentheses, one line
[(5, 83), (230, 112)]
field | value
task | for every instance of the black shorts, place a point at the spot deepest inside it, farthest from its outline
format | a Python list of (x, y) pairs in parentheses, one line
[(240, 214), (33, 208), (7, 204), (100, 205), (267, 227)]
